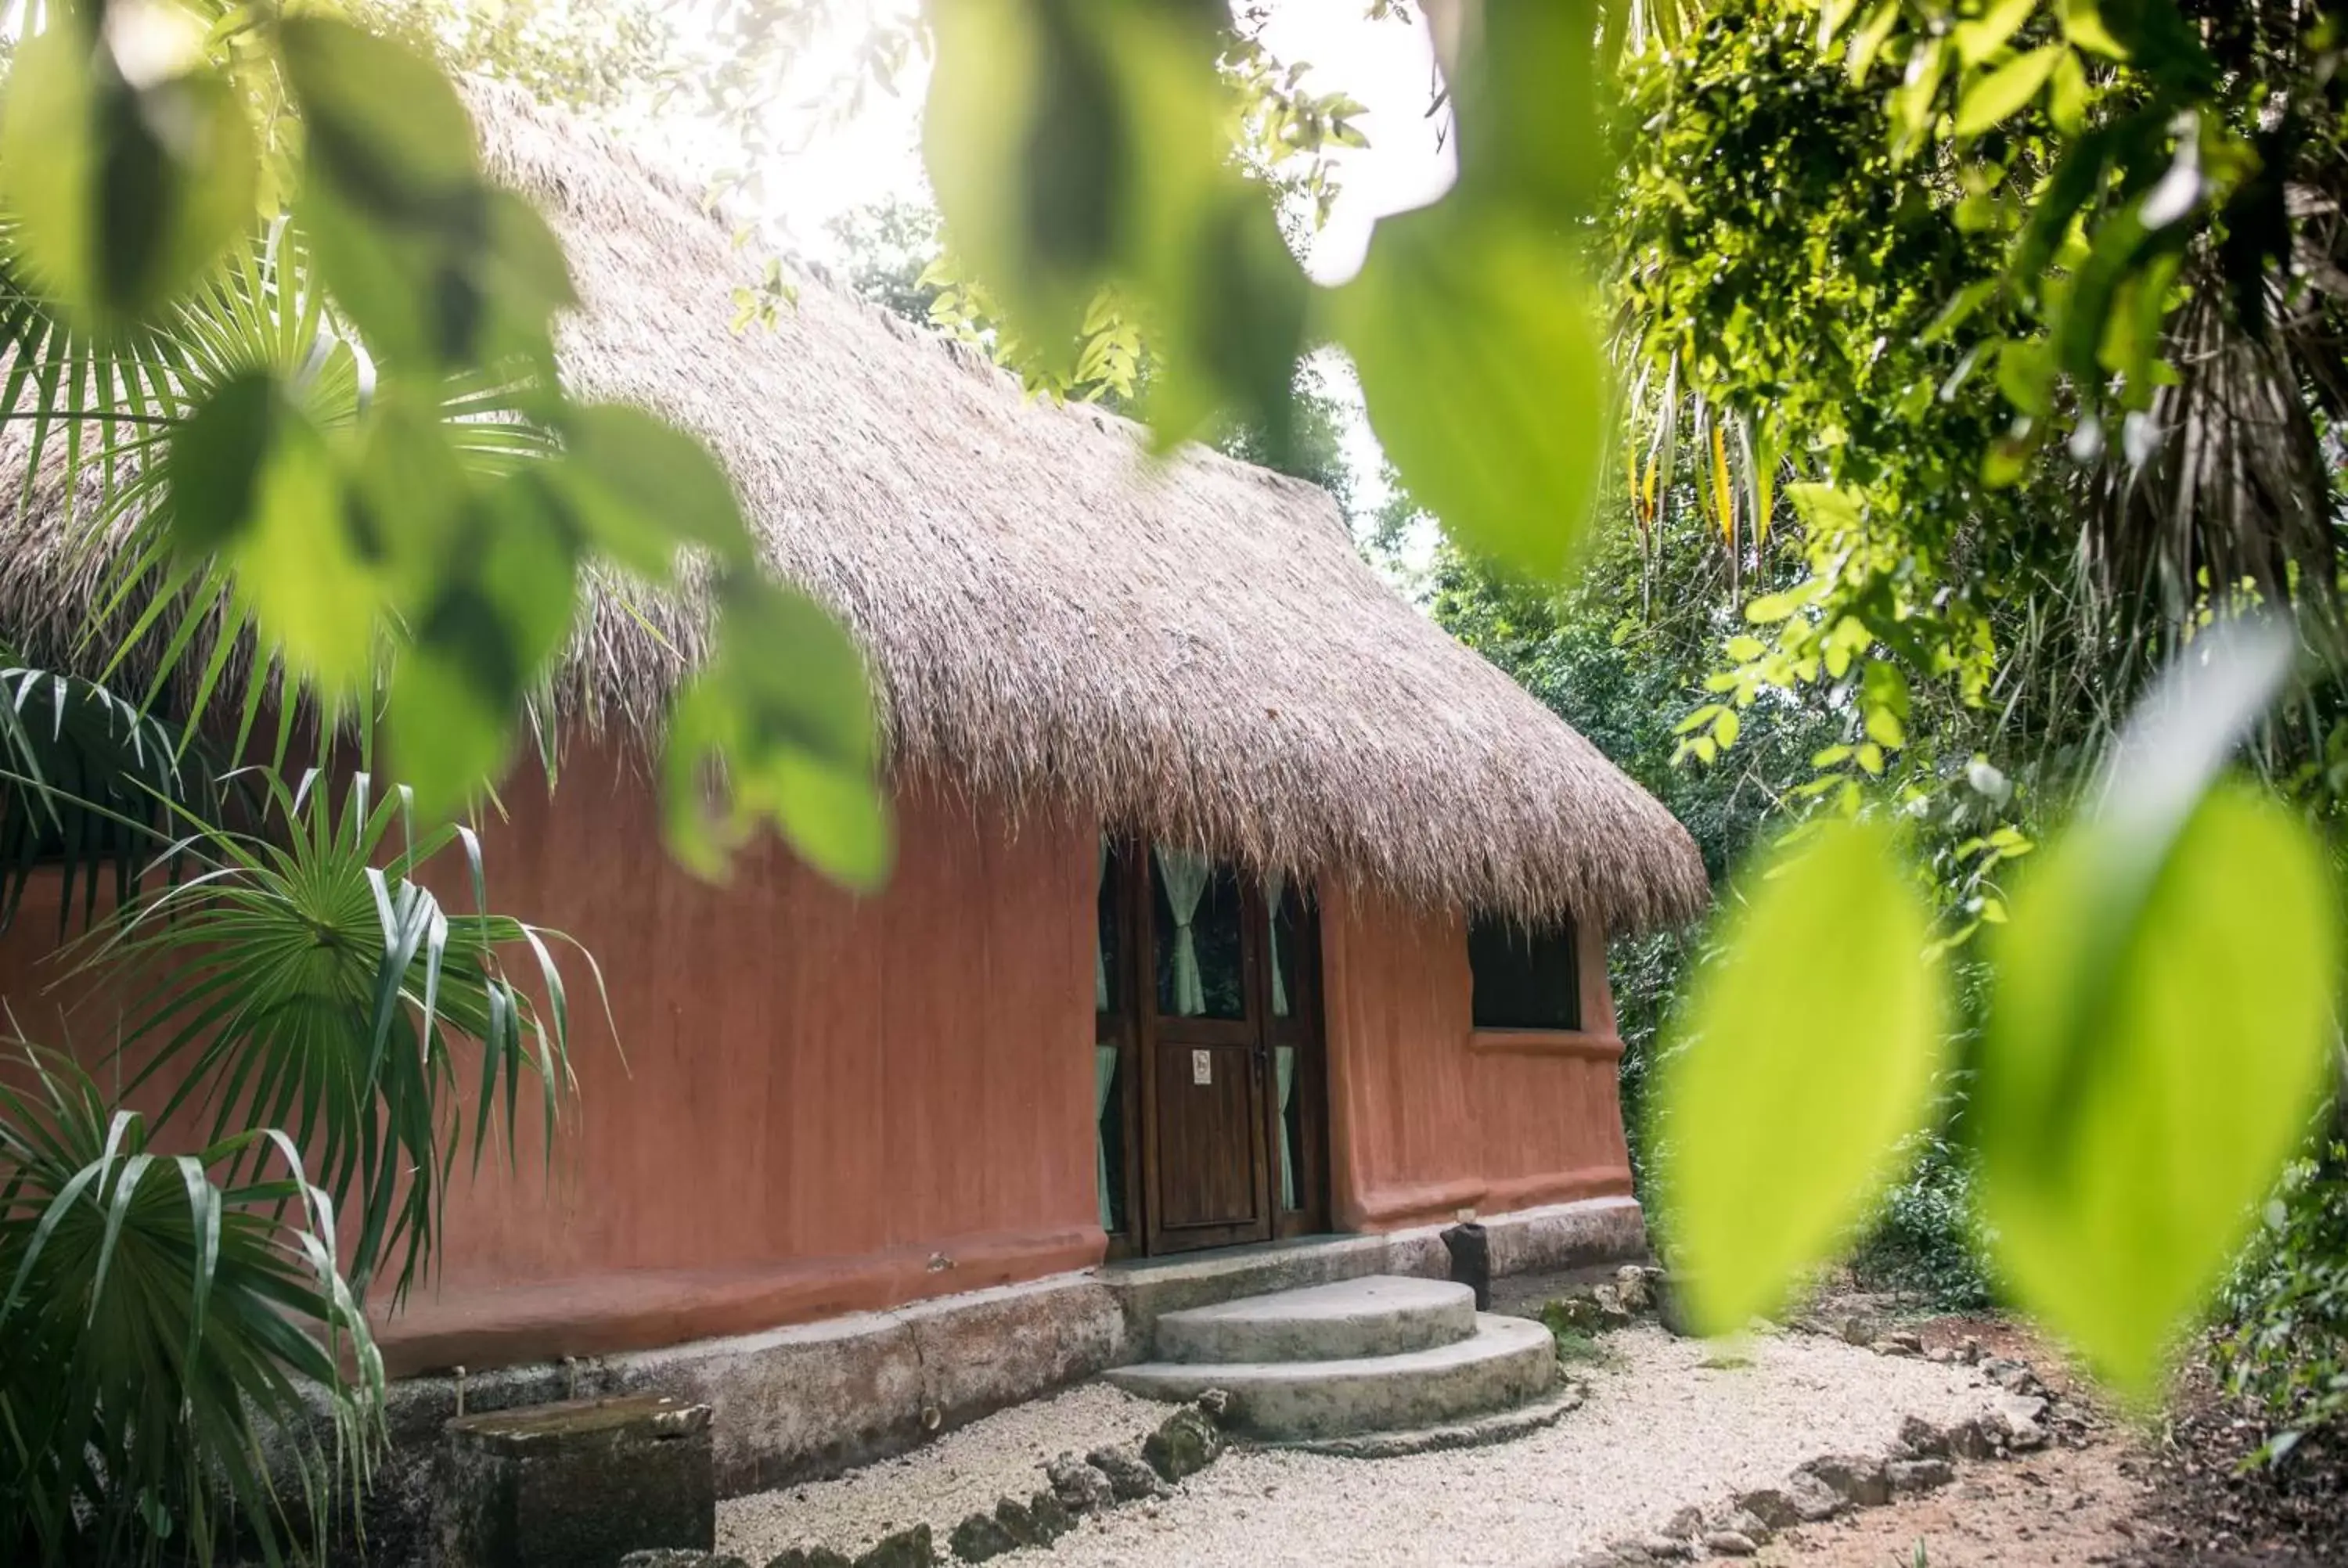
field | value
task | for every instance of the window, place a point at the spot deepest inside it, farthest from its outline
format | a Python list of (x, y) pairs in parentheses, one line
[(1199, 932), (1526, 976)]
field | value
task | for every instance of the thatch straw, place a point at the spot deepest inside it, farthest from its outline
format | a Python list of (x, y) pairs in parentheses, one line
[(1191, 648)]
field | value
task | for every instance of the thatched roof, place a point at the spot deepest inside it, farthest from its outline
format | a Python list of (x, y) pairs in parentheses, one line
[(1192, 648)]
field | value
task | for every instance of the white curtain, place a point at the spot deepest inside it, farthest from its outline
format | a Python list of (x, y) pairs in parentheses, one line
[(1274, 883), (1101, 960), (1283, 1068), (1186, 879), (1104, 1075)]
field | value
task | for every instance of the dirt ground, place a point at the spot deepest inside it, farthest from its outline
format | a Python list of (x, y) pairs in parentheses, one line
[(2109, 1491)]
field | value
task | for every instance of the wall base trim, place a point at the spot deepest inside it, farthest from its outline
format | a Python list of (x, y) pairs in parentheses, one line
[(800, 1403), (640, 1309)]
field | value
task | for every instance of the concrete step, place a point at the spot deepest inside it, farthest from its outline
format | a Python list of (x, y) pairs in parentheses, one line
[(1384, 1314), (1505, 1363)]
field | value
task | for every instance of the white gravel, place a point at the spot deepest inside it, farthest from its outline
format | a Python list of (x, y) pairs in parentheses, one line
[(1668, 1422)]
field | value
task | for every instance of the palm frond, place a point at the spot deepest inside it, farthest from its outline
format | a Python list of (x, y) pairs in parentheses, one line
[(305, 976), (159, 1321)]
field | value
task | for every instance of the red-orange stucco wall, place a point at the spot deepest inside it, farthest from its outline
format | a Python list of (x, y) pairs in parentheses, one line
[(1427, 1117), (828, 1103)]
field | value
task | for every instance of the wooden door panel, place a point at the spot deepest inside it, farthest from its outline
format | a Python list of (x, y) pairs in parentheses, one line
[(1208, 1139)]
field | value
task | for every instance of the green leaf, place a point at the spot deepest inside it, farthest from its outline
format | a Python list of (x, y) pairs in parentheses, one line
[(1525, 95), (2068, 96), (1988, 101), (1980, 38), (2135, 1105), (383, 127), (436, 266), (253, 482), (2160, 1020), (483, 641), (2083, 24), (641, 488), (1812, 1040), (1484, 371), (786, 706), (123, 196)]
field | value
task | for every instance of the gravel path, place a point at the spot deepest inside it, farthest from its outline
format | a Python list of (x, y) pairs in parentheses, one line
[(1668, 1422)]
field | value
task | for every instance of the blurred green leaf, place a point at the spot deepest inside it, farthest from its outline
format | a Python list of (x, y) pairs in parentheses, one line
[(383, 126), (641, 489), (2006, 90), (254, 483), (784, 710), (1812, 1039), (123, 195), (1526, 97), (1983, 36), (1484, 370), (2149, 1067), (2161, 1016), (436, 267), (500, 612)]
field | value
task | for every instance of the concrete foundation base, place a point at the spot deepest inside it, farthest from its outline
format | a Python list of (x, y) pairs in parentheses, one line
[(807, 1401)]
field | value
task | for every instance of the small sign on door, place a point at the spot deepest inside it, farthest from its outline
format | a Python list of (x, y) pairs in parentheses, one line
[(1202, 1067)]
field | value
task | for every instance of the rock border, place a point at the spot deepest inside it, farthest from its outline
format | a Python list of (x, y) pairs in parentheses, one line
[(1180, 1447), (1923, 1458)]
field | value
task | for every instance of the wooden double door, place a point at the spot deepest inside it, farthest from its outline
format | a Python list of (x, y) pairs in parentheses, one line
[(1208, 1051)]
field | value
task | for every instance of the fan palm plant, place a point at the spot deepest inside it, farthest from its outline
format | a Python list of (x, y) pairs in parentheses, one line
[(165, 1334), (303, 975), (183, 1338)]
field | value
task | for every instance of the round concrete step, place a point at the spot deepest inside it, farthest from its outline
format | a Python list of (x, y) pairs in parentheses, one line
[(1384, 1314), (1505, 1363)]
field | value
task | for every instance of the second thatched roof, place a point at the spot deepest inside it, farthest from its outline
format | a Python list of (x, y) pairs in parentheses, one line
[(1191, 648)]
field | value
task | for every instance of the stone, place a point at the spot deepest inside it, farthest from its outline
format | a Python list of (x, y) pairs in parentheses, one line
[(1898, 1345), (1630, 1288), (581, 1483), (1972, 1439), (810, 1557), (1917, 1475), (1742, 1523), (1812, 1498), (1081, 1488), (2014, 1378), (906, 1549), (680, 1557), (1051, 1516), (1730, 1544), (1855, 1478), (1612, 1311), (1130, 1479), (1771, 1506), (980, 1538), (1018, 1522), (2019, 1418), (1969, 1350), (1664, 1548), (1185, 1443), (1686, 1524), (1920, 1439)]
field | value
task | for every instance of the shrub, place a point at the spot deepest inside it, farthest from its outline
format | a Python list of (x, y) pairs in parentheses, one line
[(2284, 1345)]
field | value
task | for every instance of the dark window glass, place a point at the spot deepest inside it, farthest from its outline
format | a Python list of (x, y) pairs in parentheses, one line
[(1111, 1132), (1287, 952), (1215, 922), (1109, 953), (1526, 976)]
